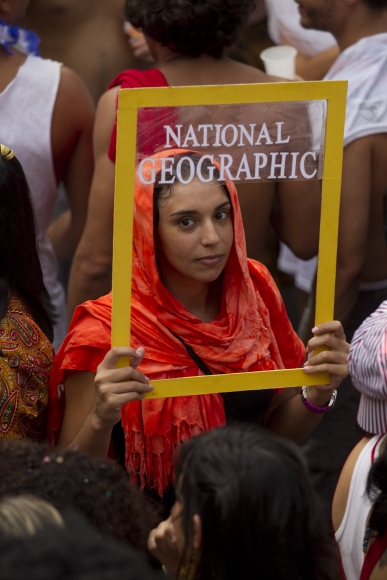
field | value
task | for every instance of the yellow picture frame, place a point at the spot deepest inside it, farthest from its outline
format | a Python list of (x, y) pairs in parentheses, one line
[(130, 100)]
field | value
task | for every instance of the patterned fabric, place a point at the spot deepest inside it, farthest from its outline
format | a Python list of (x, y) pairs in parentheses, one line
[(367, 364), (26, 356), (252, 332)]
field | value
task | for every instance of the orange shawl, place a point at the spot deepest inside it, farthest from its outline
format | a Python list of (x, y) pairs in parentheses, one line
[(252, 332)]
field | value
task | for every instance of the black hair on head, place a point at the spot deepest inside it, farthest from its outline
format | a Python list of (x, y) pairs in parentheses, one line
[(259, 514), (99, 489), (377, 490), (191, 27), (74, 551), (20, 268), (163, 192), (376, 4)]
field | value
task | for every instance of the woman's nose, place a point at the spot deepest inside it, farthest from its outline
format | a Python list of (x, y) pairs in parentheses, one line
[(210, 234)]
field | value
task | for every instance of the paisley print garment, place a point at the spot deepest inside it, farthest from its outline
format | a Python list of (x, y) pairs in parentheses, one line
[(26, 356)]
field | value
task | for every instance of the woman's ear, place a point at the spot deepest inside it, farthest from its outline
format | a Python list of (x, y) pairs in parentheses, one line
[(197, 532)]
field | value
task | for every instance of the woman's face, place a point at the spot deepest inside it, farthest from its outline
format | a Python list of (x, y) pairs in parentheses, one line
[(195, 232)]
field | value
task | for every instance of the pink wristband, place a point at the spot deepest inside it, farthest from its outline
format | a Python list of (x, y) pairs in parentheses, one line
[(313, 408)]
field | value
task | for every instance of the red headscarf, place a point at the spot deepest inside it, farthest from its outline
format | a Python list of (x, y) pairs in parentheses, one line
[(252, 332)]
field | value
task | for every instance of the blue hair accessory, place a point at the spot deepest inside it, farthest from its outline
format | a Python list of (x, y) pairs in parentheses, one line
[(20, 39)]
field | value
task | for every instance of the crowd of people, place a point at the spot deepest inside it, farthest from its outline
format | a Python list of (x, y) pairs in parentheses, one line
[(99, 481)]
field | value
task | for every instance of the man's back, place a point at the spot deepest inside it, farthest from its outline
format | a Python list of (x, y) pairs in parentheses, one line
[(360, 28), (362, 249), (86, 35)]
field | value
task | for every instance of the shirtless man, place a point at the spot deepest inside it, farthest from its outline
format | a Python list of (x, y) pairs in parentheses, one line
[(360, 28), (86, 35), (52, 139)]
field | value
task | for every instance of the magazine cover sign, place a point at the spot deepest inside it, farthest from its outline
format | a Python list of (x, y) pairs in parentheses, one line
[(246, 143)]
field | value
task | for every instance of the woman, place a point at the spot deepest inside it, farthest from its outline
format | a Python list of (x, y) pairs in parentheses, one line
[(23, 516), (359, 518), (97, 489), (194, 294), (25, 324), (188, 40), (244, 509)]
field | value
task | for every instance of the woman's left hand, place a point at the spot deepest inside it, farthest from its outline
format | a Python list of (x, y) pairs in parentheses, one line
[(334, 361)]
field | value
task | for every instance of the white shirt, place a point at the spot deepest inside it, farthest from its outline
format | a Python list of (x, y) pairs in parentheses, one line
[(26, 108)]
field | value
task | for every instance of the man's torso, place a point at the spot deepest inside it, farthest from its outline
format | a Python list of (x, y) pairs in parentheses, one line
[(86, 35)]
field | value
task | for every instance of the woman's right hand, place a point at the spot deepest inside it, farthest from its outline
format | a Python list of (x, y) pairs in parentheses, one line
[(117, 386), (163, 546)]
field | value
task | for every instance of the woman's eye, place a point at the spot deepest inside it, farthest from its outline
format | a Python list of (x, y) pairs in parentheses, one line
[(186, 222), (221, 215)]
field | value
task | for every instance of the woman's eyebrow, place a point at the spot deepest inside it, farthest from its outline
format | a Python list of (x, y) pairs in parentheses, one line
[(194, 211)]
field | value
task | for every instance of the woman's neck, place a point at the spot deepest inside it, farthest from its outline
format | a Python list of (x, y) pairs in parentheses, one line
[(201, 299)]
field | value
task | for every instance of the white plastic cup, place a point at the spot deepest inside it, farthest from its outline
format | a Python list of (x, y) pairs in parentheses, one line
[(280, 61)]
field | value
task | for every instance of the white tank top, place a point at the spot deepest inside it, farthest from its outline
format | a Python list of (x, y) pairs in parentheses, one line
[(350, 534), (26, 107), (364, 66)]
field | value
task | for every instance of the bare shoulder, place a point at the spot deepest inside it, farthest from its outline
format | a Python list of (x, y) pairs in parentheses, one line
[(342, 490), (72, 119), (107, 104), (104, 122), (249, 74), (71, 87), (74, 108)]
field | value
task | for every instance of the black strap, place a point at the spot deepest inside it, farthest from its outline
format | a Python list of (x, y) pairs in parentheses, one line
[(195, 357), (242, 406)]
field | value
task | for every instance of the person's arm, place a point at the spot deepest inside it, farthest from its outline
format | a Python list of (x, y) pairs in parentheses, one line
[(287, 415), (91, 272), (71, 141), (315, 68), (93, 402), (256, 202), (297, 221), (354, 224)]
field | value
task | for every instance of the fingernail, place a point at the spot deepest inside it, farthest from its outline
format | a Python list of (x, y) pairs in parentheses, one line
[(150, 388), (307, 369), (146, 378), (315, 329)]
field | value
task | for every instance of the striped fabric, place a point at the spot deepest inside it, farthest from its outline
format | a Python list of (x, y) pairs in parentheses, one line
[(367, 363)]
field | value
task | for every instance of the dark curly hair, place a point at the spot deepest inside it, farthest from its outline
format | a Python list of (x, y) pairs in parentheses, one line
[(67, 479), (191, 27), (73, 552)]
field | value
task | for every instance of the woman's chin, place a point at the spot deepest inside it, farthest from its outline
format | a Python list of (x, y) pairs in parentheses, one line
[(208, 277)]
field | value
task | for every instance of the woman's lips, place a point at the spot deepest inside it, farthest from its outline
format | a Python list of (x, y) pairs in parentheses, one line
[(210, 260)]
